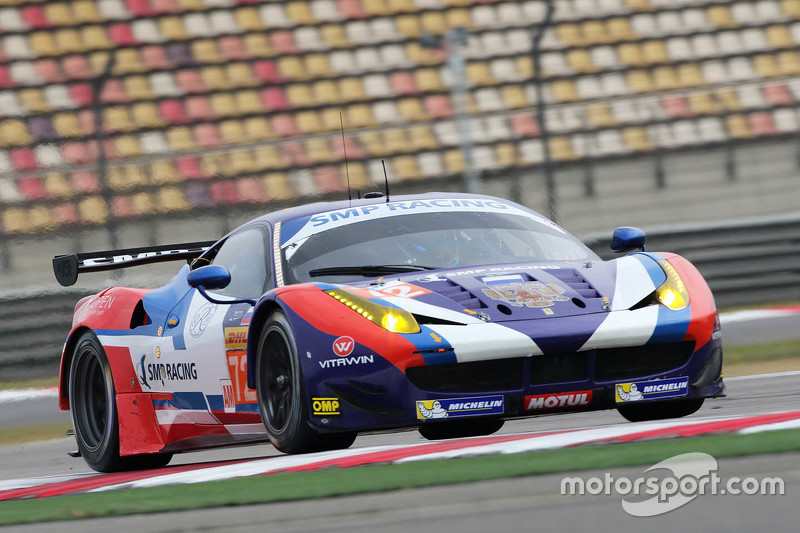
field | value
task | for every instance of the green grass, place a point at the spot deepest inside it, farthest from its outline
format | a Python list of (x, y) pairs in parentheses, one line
[(760, 353), (17, 435), (327, 483)]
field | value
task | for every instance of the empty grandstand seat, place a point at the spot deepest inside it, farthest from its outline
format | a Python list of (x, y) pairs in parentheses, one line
[(32, 188), (274, 98), (778, 94), (785, 120), (189, 168), (761, 123)]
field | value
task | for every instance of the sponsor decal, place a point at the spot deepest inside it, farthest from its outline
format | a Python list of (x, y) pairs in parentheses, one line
[(528, 293), (457, 407), (558, 400), (236, 338), (141, 372), (347, 361), (237, 369), (149, 373), (325, 407), (201, 319), (651, 390), (98, 306), (248, 316), (228, 395), (343, 346)]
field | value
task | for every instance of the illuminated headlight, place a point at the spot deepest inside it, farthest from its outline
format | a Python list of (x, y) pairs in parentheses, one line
[(389, 318), (672, 293)]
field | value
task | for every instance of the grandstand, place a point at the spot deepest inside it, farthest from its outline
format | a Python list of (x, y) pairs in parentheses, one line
[(233, 106)]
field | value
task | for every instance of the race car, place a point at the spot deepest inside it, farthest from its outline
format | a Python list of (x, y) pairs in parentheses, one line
[(447, 312)]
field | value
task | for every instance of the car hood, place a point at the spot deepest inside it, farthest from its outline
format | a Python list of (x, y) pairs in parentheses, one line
[(524, 291)]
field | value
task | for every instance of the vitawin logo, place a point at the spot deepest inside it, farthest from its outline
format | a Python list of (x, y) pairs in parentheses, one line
[(343, 346)]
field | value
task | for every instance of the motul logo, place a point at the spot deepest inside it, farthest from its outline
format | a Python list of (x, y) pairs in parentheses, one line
[(552, 401), (343, 346)]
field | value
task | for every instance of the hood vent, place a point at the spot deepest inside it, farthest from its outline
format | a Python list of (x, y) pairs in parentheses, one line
[(576, 282), (462, 296)]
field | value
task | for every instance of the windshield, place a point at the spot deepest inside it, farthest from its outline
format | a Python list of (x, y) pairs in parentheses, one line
[(428, 240)]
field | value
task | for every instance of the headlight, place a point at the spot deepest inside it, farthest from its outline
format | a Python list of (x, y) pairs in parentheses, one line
[(389, 318), (672, 293)]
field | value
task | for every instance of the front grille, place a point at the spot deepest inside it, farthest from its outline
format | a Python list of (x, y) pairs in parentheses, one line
[(559, 368), (636, 361), (478, 376)]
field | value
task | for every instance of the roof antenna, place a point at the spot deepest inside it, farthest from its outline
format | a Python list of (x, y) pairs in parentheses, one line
[(385, 180), (346, 168)]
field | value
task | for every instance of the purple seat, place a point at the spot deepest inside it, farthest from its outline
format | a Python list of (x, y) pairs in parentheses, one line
[(180, 54), (197, 195), (42, 129)]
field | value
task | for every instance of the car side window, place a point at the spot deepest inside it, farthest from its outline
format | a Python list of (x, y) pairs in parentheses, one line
[(244, 254)]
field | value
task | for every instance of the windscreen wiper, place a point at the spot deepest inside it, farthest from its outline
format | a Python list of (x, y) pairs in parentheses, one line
[(367, 270)]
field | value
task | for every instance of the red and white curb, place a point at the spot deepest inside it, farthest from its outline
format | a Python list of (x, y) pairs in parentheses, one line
[(498, 444), (21, 395)]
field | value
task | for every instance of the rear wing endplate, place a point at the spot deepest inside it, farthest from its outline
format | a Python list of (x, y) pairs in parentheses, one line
[(67, 267)]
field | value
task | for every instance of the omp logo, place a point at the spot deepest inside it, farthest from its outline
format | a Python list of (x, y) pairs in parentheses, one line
[(343, 346), (552, 401), (325, 406)]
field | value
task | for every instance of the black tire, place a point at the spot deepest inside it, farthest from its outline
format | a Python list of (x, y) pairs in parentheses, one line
[(642, 412), (460, 429), (94, 411), (281, 394)]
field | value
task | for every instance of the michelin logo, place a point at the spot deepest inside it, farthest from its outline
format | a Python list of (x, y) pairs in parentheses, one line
[(652, 390), (456, 407)]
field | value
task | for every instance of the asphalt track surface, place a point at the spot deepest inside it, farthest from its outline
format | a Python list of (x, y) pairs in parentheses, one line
[(526, 504)]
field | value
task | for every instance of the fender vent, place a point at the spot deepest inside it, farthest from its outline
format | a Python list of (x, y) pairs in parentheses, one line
[(575, 282), (462, 296)]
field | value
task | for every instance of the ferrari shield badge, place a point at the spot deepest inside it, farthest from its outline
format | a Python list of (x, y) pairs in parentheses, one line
[(529, 293)]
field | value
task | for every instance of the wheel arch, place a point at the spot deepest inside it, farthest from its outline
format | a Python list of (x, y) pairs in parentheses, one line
[(263, 310), (66, 363)]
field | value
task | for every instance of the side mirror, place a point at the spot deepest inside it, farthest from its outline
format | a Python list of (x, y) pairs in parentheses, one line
[(628, 239), (209, 277)]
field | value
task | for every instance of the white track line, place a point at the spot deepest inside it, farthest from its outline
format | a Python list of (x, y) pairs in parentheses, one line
[(764, 376)]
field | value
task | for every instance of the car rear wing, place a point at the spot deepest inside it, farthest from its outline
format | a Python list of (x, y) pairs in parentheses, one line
[(67, 267)]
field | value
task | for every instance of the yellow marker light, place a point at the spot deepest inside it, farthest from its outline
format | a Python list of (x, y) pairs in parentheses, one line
[(672, 293), (389, 318)]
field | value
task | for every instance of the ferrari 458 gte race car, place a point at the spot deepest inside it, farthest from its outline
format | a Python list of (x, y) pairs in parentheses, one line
[(448, 312)]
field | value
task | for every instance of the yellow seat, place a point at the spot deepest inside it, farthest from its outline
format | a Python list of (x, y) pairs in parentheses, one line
[(458, 18), (720, 16), (96, 38), (331, 119), (172, 29), (479, 73), (599, 115), (180, 139), (127, 61), (308, 122), (57, 185), (142, 204), (418, 54), (789, 62), (171, 199), (701, 103), (595, 32), (434, 22), (352, 89), (403, 6), (276, 185), (69, 41), (569, 34), (125, 178), (422, 138), (778, 36), (561, 149), (242, 162), (299, 94), (428, 80), (665, 79), (268, 158), (729, 99), (360, 116), (377, 8), (639, 81), (411, 109), (639, 5), (223, 105), (506, 154), (619, 29), (524, 67), (406, 167), (205, 51), (564, 91), (514, 97), (93, 210), (214, 78), (766, 66), (138, 88), (257, 129), (59, 13), (357, 173), (146, 115), (163, 171), (630, 54), (636, 140), (454, 161), (580, 60), (690, 75), (16, 220), (248, 102), (99, 60), (738, 128), (232, 132), (408, 26), (655, 52), (43, 43), (334, 36), (241, 75), (40, 219), (14, 133), (85, 11), (396, 141), (373, 144), (319, 150), (318, 66), (300, 13), (67, 125), (257, 45), (248, 19), (115, 118), (215, 164), (291, 68), (791, 8), (34, 100), (326, 93)]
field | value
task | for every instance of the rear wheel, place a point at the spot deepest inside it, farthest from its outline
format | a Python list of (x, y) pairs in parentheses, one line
[(281, 395), (94, 411), (460, 429), (640, 412)]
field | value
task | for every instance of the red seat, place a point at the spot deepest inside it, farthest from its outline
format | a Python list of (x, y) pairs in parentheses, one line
[(84, 181), (525, 125), (676, 106), (207, 135), (328, 179), (438, 106), (296, 153), (113, 92), (351, 9), (778, 94), (155, 58), (761, 123), (47, 69), (283, 42), (5, 78), (34, 17), (189, 81), (232, 47), (75, 153), (77, 67), (86, 119), (122, 207), (199, 108), (283, 125), (172, 110), (251, 191), (274, 99), (122, 34), (267, 71), (65, 214), (81, 93), (23, 159), (402, 82), (189, 168), (32, 188), (165, 6), (224, 193), (354, 151), (139, 8)]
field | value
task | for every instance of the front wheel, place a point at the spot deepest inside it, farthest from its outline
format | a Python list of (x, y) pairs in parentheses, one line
[(281, 394), (641, 412)]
